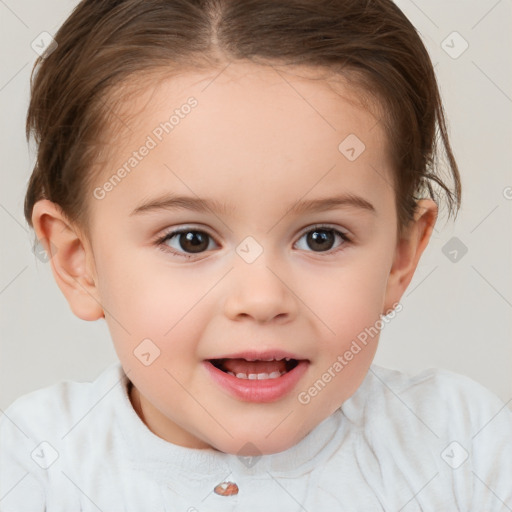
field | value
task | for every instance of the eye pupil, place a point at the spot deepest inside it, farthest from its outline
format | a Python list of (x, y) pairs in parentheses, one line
[(318, 238), (193, 241)]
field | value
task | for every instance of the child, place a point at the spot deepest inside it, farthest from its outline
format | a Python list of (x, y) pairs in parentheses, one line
[(193, 157)]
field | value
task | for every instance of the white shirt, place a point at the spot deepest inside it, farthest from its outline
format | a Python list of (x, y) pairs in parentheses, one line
[(436, 441)]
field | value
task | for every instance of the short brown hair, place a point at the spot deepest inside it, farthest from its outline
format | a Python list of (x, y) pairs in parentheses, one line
[(105, 42)]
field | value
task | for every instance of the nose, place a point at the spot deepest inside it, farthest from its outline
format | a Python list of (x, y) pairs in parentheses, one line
[(257, 291)]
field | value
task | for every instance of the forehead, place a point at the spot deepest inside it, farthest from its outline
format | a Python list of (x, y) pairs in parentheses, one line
[(244, 127)]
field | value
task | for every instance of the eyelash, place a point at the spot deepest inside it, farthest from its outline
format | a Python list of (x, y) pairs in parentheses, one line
[(160, 242)]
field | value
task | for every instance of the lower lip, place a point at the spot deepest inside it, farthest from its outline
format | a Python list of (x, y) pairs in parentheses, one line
[(253, 390)]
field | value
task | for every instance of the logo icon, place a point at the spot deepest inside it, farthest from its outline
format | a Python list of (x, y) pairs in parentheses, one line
[(454, 45), (249, 249)]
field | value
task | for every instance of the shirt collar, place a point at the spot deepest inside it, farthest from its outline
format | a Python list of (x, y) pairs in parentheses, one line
[(166, 460)]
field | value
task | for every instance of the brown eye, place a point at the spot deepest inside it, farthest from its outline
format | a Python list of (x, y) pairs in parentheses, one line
[(322, 239), (193, 241), (185, 242)]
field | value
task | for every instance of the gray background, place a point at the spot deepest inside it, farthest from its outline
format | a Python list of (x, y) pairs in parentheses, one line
[(456, 314)]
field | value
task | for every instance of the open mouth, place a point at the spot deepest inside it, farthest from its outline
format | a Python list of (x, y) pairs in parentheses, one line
[(255, 370), (257, 377)]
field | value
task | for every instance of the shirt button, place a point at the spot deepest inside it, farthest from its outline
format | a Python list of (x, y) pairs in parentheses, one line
[(226, 489)]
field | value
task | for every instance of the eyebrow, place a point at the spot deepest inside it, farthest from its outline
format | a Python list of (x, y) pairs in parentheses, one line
[(170, 202)]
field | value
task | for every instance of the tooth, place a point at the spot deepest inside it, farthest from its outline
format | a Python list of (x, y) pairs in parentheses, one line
[(287, 358), (258, 376)]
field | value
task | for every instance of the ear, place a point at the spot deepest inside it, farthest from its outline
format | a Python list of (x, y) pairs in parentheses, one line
[(408, 251), (71, 259)]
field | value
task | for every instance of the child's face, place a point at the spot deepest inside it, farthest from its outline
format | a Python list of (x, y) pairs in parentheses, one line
[(257, 143)]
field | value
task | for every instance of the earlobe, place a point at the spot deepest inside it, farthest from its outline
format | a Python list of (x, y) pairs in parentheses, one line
[(70, 257), (409, 250)]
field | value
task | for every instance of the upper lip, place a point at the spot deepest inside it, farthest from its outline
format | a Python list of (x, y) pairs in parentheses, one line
[(253, 355)]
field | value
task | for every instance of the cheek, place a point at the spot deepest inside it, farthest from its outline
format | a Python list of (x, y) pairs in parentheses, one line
[(153, 301), (347, 336), (351, 297), (143, 290)]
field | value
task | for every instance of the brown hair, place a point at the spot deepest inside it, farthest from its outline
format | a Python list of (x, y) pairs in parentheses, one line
[(103, 43)]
